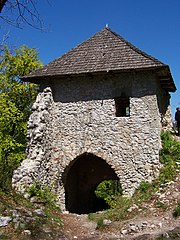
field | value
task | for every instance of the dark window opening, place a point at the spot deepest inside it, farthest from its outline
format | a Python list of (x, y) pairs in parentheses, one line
[(122, 105)]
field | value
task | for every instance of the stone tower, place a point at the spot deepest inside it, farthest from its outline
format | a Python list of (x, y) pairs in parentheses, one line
[(98, 115)]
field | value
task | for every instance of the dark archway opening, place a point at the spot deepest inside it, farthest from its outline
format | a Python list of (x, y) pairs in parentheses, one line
[(81, 178)]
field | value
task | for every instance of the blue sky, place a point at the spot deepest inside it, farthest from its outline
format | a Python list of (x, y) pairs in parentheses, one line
[(151, 25)]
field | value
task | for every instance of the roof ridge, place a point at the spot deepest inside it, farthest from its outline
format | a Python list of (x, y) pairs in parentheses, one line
[(133, 47)]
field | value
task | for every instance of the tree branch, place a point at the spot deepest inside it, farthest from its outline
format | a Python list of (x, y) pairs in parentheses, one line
[(21, 11), (2, 3)]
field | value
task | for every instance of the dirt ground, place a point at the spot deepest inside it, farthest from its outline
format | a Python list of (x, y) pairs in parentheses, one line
[(79, 227), (153, 221), (150, 221), (149, 224)]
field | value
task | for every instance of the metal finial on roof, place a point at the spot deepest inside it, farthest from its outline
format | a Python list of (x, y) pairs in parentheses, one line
[(106, 25)]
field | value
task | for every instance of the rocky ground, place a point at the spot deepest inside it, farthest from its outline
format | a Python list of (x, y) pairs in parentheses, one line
[(151, 222), (153, 219), (78, 227)]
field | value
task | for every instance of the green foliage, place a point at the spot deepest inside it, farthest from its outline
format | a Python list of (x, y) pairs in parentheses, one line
[(100, 223), (25, 209), (119, 211), (44, 194), (108, 190), (168, 172), (144, 192), (176, 212), (170, 155), (91, 216), (170, 158), (171, 148), (16, 99), (144, 187), (161, 205)]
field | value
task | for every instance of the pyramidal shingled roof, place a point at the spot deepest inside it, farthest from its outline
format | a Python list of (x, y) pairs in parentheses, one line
[(105, 51)]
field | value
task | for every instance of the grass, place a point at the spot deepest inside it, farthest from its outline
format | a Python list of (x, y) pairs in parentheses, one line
[(170, 158), (176, 212), (100, 224), (161, 205), (12, 201)]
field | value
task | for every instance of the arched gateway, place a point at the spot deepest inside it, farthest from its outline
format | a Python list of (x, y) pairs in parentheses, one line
[(98, 115), (81, 178)]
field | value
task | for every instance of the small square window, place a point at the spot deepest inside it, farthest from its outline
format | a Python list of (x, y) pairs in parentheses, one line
[(122, 106)]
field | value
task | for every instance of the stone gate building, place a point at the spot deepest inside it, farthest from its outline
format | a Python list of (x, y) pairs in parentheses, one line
[(98, 115)]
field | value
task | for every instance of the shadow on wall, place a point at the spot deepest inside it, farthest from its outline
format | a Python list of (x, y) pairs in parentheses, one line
[(81, 178), (98, 87)]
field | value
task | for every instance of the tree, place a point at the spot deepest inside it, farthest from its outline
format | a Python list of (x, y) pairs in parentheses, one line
[(16, 99), (19, 12)]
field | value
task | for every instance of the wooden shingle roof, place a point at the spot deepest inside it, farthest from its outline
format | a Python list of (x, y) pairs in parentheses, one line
[(104, 52)]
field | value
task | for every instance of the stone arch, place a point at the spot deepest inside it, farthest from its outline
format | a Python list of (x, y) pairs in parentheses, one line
[(80, 179)]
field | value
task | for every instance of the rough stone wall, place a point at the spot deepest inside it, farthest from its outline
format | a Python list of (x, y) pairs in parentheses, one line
[(33, 167), (78, 116)]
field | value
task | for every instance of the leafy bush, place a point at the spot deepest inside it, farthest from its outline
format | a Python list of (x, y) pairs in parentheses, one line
[(120, 208), (145, 191), (100, 223), (108, 190), (176, 212), (43, 193), (171, 148), (170, 158)]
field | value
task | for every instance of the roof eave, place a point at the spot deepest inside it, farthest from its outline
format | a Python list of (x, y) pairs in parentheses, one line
[(164, 75)]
